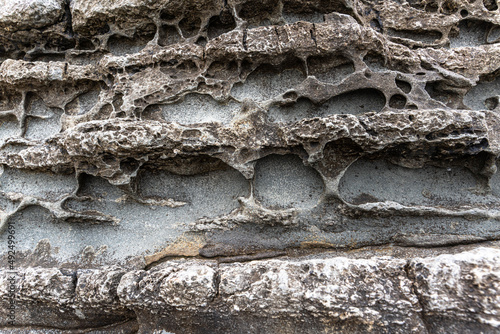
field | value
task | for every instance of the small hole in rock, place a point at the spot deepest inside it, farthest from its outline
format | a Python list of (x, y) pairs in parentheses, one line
[(166, 16), (490, 5), (375, 62), (397, 101), (129, 165), (220, 24), (168, 35), (375, 24), (85, 44), (331, 69), (441, 92), (190, 26), (470, 32), (403, 85), (103, 30), (258, 11), (201, 41), (108, 159), (426, 37), (464, 13), (121, 45)]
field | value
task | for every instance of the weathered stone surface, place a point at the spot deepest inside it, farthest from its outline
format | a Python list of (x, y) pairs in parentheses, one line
[(135, 134), (29, 14), (361, 291), (97, 288), (185, 286), (350, 294), (462, 287)]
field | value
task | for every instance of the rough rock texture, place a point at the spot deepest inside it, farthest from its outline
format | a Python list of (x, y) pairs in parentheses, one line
[(149, 149), (438, 294)]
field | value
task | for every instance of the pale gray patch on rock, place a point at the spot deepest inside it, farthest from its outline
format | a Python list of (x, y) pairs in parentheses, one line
[(284, 182)]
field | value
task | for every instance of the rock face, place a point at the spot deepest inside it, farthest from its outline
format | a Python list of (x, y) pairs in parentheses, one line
[(246, 166)]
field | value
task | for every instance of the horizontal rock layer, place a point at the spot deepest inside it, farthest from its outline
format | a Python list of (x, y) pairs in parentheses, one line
[(433, 293)]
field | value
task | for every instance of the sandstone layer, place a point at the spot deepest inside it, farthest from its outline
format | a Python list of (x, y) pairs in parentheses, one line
[(291, 166)]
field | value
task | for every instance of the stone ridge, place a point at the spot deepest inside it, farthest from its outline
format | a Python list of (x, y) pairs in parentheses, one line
[(415, 295)]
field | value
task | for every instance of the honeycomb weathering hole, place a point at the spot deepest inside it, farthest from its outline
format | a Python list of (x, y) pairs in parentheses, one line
[(471, 33), (161, 206), (208, 194), (330, 69), (285, 182), (198, 108), (234, 131), (482, 96), (372, 181), (84, 102), (266, 83)]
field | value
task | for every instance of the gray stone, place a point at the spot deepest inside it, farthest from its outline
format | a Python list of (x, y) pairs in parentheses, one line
[(293, 166), (29, 14)]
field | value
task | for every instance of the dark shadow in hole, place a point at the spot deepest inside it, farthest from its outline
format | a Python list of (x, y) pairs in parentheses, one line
[(257, 11), (375, 24), (397, 101), (440, 91), (491, 103), (201, 41), (490, 5), (85, 44), (315, 7), (167, 16)]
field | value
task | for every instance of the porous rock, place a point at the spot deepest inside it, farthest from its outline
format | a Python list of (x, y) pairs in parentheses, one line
[(245, 166)]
